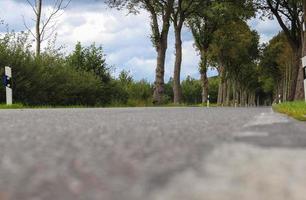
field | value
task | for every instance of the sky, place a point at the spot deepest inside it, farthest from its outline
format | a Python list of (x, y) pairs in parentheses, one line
[(125, 37)]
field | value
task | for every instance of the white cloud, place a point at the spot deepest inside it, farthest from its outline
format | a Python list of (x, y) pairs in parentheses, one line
[(142, 68), (265, 27), (14, 12)]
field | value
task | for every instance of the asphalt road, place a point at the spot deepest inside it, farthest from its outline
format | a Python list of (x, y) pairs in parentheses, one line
[(151, 154)]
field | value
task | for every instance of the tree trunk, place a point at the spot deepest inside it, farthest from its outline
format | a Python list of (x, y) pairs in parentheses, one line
[(224, 92), (37, 27), (299, 89), (228, 92), (204, 78), (159, 75), (221, 85), (219, 101), (177, 89), (161, 42)]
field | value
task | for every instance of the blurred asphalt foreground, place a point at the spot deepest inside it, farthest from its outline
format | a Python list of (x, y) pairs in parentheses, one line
[(151, 154)]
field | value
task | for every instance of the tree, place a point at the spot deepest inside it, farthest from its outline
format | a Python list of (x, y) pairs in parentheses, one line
[(183, 9), (44, 26), (276, 63), (288, 14), (90, 59), (235, 51), (205, 23), (160, 13), (202, 27)]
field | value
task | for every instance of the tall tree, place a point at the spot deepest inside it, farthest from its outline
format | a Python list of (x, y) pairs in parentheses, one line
[(235, 50), (276, 62), (44, 26), (288, 14), (183, 9), (206, 22), (202, 28), (160, 13)]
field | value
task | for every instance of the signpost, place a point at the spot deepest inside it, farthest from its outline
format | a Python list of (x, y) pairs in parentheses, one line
[(8, 85), (304, 72)]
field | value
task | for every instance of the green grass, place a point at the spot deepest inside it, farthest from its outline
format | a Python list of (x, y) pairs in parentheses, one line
[(113, 105), (21, 106), (14, 106), (296, 110)]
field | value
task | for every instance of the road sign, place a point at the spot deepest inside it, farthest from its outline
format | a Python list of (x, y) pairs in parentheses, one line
[(8, 85)]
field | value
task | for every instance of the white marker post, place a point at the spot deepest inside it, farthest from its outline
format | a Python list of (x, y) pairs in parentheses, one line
[(208, 101), (8, 85), (304, 72), (279, 99)]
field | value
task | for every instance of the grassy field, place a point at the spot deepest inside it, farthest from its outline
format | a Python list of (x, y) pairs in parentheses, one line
[(296, 110)]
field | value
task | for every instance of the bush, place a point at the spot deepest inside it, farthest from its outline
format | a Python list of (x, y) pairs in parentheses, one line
[(192, 91), (132, 93), (49, 79)]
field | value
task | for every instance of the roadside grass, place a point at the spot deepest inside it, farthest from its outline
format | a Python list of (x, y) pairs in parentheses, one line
[(13, 106), (296, 109), (131, 104), (22, 106)]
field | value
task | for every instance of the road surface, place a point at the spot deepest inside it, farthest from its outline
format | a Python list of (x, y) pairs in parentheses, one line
[(151, 154)]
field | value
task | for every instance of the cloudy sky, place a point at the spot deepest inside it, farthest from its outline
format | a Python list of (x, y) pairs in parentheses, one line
[(125, 38)]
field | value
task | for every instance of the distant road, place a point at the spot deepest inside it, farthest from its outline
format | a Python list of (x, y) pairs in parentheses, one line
[(151, 154)]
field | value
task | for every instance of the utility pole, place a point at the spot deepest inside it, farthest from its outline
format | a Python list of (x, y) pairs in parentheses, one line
[(8, 85)]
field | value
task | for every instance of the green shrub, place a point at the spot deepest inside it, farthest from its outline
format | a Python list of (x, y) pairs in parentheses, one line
[(192, 91), (49, 79)]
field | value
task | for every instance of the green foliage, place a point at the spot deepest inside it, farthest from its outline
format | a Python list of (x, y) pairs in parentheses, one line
[(48, 80), (13, 106), (132, 93), (81, 78), (191, 89), (274, 57), (90, 59), (235, 48), (168, 93), (213, 89), (277, 60)]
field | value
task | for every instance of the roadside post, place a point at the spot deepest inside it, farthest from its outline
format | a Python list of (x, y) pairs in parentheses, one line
[(7, 80), (279, 99), (208, 101), (304, 72)]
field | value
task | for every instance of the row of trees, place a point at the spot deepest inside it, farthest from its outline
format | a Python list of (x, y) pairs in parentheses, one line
[(290, 16), (214, 21), (248, 74)]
